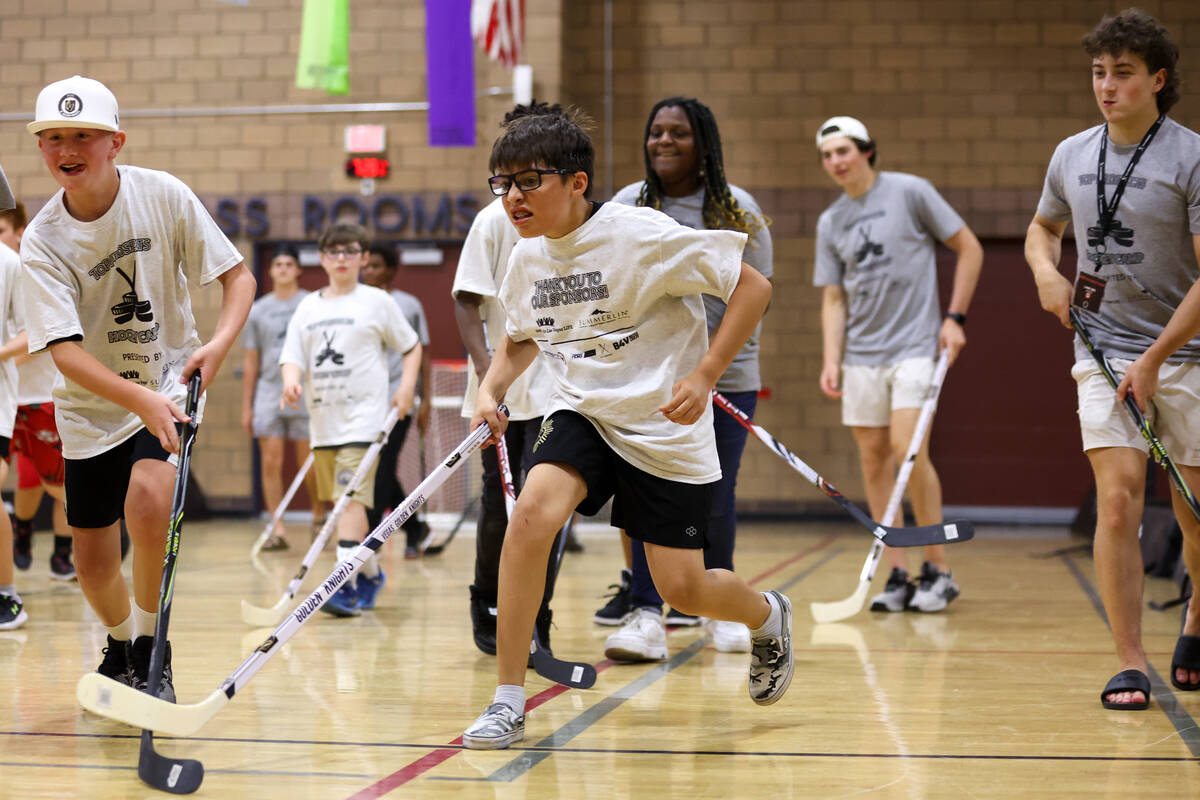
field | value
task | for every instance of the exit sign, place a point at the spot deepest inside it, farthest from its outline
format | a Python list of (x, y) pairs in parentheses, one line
[(366, 139), (367, 167)]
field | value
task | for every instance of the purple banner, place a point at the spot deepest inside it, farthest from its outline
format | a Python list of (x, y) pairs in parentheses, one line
[(449, 65)]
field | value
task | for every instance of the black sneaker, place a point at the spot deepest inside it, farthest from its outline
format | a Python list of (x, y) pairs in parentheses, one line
[(12, 613), (895, 594), (139, 657), (116, 662), (483, 621), (22, 543), (680, 619), (619, 604), (61, 568)]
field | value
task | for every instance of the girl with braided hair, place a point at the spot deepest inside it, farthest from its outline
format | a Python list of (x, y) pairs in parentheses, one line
[(685, 179)]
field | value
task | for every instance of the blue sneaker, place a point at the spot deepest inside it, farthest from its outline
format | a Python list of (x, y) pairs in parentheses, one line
[(344, 602), (368, 588)]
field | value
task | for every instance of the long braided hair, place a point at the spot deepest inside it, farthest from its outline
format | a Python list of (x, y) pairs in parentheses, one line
[(720, 210)]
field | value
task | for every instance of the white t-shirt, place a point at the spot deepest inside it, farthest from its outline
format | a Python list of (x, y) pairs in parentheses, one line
[(10, 272), (36, 377), (615, 308), (340, 343), (481, 270), (121, 282)]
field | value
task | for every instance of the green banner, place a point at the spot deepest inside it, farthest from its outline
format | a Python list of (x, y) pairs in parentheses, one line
[(324, 61)]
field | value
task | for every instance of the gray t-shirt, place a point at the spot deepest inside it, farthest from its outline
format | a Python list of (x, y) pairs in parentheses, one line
[(880, 248), (1147, 277), (265, 330), (414, 315), (743, 374)]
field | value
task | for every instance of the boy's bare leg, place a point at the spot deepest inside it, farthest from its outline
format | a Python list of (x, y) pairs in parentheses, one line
[(271, 450), (6, 538), (1191, 558), (685, 584), (924, 486), (878, 464), (352, 525), (310, 483), (147, 512), (1120, 492), (549, 496), (98, 570)]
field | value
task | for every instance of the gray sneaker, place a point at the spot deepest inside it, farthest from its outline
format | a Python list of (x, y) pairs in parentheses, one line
[(497, 727), (896, 594), (934, 591), (771, 659)]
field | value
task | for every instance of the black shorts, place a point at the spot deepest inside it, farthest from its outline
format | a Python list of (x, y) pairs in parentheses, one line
[(96, 486), (5, 447), (649, 508)]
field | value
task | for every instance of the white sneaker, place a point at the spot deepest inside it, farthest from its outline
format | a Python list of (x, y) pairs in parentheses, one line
[(935, 589), (495, 729), (643, 637), (728, 637), (771, 659), (896, 594)]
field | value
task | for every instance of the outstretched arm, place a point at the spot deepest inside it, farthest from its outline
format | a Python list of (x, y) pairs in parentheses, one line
[(690, 396), (512, 358), (238, 287), (952, 338)]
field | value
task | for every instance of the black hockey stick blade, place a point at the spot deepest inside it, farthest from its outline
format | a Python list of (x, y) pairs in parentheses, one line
[(576, 674), (177, 776), (951, 532)]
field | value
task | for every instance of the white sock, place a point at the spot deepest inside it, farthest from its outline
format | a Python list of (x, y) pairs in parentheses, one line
[(10, 589), (370, 567), (773, 626), (511, 696), (124, 630), (144, 621), (344, 548)]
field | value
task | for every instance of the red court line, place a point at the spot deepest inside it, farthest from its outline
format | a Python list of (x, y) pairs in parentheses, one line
[(436, 757)]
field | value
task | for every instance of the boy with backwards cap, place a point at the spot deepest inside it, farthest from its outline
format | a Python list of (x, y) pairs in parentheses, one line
[(107, 263), (881, 330)]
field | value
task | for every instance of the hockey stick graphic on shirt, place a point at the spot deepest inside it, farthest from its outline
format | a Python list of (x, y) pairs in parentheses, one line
[(1156, 447), (569, 673), (114, 700), (842, 609), (944, 533), (256, 615), (283, 505)]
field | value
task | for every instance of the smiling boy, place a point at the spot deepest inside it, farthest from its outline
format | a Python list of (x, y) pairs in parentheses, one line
[(107, 265), (610, 296), (1137, 230)]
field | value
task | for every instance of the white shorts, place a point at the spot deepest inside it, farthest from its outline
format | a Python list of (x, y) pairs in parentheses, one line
[(870, 394), (1174, 411)]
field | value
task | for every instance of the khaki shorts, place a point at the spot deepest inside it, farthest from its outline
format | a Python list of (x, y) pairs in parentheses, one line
[(870, 394), (334, 467), (1174, 411)]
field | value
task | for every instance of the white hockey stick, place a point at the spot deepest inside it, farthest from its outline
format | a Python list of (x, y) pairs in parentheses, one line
[(843, 609), (256, 615), (114, 700), (283, 504)]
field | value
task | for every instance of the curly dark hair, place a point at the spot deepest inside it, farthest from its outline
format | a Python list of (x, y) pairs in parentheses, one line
[(1134, 31), (719, 210)]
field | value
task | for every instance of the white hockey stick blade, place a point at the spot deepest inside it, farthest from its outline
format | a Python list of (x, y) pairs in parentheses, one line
[(841, 609), (266, 617), (114, 700)]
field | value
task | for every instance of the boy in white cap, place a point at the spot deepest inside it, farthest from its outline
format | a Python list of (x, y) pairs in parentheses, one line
[(882, 329), (107, 264)]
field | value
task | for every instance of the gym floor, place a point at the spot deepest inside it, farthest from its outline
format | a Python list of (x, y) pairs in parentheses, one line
[(996, 697)]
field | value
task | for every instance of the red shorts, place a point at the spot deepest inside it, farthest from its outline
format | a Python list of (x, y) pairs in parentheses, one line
[(35, 437)]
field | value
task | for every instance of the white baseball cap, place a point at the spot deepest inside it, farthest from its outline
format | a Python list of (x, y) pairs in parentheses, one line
[(76, 102), (842, 126)]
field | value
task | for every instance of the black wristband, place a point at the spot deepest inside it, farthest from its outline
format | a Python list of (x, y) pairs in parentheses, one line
[(961, 319)]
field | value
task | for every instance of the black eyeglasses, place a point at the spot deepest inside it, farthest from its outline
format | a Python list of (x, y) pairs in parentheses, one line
[(526, 180), (342, 252)]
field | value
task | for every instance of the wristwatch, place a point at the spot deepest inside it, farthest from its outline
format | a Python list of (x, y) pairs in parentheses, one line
[(961, 319)]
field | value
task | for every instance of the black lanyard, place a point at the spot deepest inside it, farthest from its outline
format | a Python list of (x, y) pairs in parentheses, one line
[(1109, 225)]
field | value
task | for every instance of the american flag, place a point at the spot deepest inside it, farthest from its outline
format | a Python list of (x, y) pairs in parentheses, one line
[(499, 27)]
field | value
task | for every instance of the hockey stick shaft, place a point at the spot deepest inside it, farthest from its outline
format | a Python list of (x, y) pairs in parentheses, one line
[(111, 699), (841, 609), (953, 531), (281, 509), (1157, 450)]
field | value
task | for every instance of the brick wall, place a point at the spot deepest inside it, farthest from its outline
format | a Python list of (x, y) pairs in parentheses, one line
[(972, 96)]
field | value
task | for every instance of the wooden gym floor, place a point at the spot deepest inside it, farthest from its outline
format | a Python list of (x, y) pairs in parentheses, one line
[(998, 697)]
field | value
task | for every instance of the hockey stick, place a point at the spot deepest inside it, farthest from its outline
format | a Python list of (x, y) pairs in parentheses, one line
[(1156, 447), (959, 530), (114, 700), (184, 775), (569, 673), (256, 615), (283, 504), (842, 609)]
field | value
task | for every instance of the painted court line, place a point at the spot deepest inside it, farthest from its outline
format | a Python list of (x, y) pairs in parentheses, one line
[(1160, 689), (438, 756)]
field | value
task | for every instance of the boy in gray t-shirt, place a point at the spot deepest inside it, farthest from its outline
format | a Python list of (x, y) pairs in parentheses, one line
[(1137, 231), (882, 329), (262, 386)]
